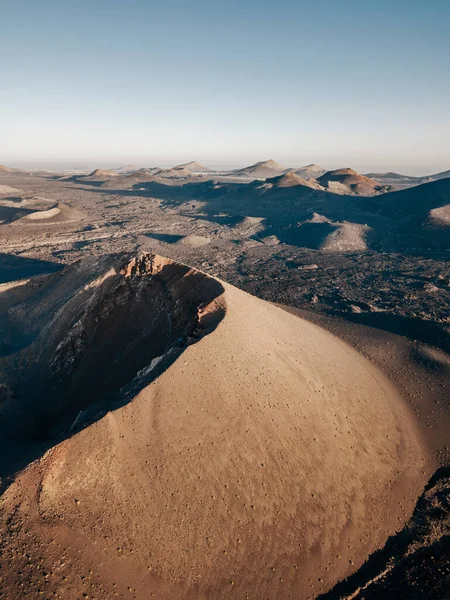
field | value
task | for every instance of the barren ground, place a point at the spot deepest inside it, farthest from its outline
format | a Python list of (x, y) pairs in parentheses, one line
[(392, 307)]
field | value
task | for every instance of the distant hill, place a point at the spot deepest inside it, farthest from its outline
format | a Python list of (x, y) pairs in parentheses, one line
[(407, 181), (262, 170), (59, 213), (96, 178), (442, 175), (291, 179), (420, 215), (126, 169), (157, 175), (100, 174), (348, 181), (176, 172), (399, 181), (355, 217), (420, 200), (310, 171), (7, 189), (147, 171), (4, 170), (195, 167)]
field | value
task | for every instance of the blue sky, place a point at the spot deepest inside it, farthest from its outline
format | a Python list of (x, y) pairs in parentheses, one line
[(361, 83)]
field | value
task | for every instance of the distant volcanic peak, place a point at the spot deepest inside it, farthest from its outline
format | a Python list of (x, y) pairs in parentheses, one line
[(263, 170), (289, 179), (103, 173), (149, 170), (348, 181), (346, 175), (429, 189), (195, 167), (310, 171), (442, 175), (384, 177), (175, 172), (312, 167), (390, 174), (269, 164), (125, 169), (344, 172)]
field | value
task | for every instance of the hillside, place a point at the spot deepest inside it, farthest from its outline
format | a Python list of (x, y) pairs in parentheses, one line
[(193, 441), (348, 181)]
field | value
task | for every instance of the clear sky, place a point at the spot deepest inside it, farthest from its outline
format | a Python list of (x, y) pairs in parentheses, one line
[(360, 83)]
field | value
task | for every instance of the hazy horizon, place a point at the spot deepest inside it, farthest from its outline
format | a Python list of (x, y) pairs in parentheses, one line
[(217, 166), (341, 84)]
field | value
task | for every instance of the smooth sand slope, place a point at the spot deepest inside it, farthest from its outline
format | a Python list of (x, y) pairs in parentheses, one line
[(57, 214), (7, 189), (267, 461)]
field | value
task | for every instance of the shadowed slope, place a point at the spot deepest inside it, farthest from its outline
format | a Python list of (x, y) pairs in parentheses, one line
[(87, 336), (415, 563), (14, 268)]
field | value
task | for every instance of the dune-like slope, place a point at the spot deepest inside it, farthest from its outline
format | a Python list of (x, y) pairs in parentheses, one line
[(414, 564), (266, 460), (6, 189), (194, 241), (59, 213)]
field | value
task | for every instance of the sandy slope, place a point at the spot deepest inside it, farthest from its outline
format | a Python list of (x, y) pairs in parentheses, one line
[(441, 215), (194, 241), (267, 461), (57, 214), (7, 189)]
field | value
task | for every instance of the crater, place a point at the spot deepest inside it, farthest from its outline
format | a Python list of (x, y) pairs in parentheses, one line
[(93, 334)]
